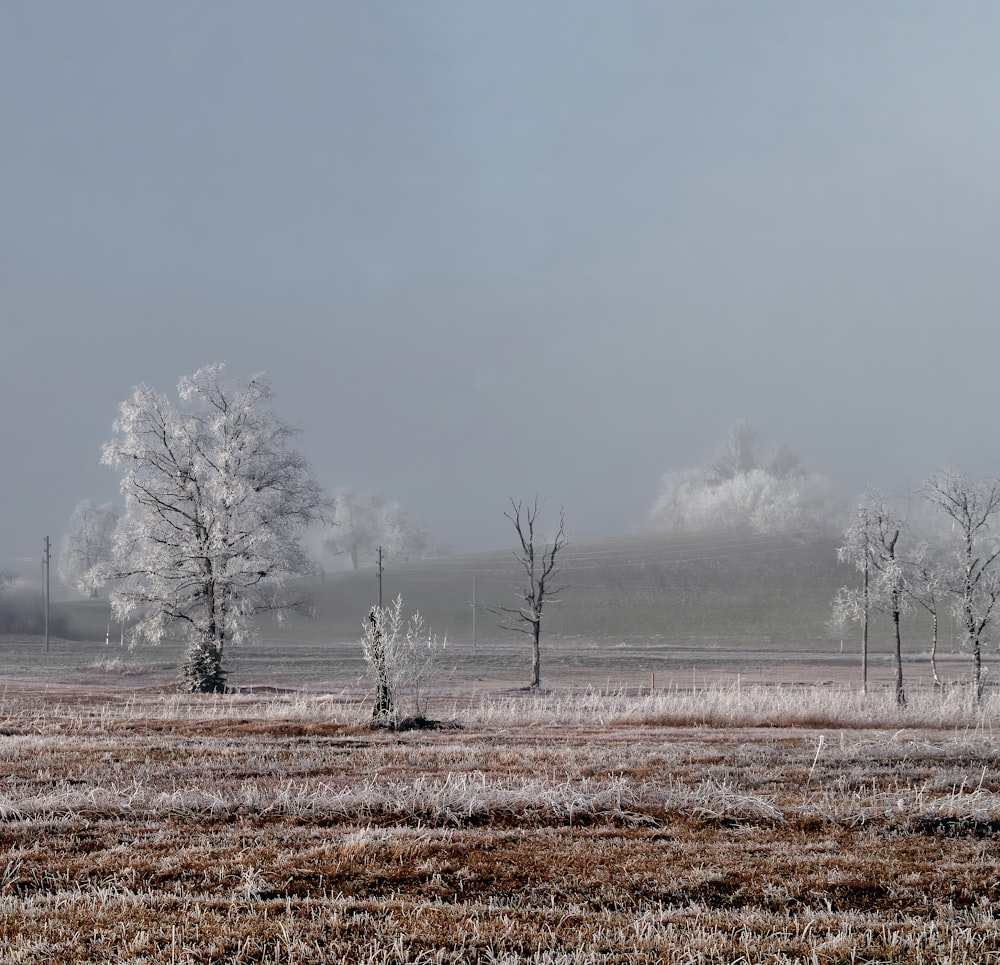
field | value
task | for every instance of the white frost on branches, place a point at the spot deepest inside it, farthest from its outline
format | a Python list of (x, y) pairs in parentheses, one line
[(871, 546), (88, 542), (971, 572), (736, 490), (402, 660), (216, 502)]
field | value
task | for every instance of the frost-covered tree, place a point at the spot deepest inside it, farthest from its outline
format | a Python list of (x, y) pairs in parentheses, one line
[(401, 657), (353, 528), (926, 587), (972, 573), (738, 491), (871, 545), (86, 543), (362, 522), (216, 502)]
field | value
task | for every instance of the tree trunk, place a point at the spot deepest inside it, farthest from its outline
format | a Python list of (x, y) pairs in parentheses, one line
[(536, 657), (384, 711), (970, 621), (202, 672), (934, 643), (900, 693), (977, 661), (864, 637)]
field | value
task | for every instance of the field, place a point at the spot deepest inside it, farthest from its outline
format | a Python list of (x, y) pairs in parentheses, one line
[(722, 825), (702, 782)]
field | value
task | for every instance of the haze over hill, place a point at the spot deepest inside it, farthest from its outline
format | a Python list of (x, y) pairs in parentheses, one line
[(715, 605), (491, 250)]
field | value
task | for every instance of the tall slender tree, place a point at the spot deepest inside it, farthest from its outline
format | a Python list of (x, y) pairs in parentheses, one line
[(971, 576), (872, 546), (853, 603)]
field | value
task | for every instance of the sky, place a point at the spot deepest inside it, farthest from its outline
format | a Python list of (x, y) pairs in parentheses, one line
[(487, 251)]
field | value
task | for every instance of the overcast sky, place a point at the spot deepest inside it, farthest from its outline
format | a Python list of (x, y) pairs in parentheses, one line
[(493, 250)]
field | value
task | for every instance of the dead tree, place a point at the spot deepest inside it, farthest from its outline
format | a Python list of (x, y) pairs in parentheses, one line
[(539, 562)]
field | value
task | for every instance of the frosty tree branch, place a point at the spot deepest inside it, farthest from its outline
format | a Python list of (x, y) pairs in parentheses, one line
[(972, 575)]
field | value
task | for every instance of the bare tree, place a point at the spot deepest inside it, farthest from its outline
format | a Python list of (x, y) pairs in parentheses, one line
[(972, 577), (538, 559)]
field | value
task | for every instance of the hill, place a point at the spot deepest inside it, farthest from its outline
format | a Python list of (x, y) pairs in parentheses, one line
[(736, 590), (673, 606)]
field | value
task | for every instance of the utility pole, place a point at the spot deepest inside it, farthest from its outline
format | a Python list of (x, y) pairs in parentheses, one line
[(45, 564), (473, 614), (380, 577), (864, 632)]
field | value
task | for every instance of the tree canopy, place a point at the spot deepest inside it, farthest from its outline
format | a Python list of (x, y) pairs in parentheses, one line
[(87, 542), (216, 502), (737, 489)]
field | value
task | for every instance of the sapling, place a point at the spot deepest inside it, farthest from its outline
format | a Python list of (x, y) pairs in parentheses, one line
[(402, 659)]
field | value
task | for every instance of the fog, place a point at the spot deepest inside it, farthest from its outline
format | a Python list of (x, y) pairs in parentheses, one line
[(486, 251)]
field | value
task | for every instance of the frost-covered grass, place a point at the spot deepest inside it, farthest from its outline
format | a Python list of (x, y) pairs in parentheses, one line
[(719, 706), (577, 828), (739, 705)]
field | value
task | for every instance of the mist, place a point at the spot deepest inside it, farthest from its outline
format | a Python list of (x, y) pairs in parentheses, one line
[(485, 253)]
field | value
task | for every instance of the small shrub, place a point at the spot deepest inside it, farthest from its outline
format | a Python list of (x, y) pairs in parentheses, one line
[(402, 661)]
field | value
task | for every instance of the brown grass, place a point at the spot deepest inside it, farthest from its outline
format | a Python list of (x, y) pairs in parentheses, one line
[(156, 829)]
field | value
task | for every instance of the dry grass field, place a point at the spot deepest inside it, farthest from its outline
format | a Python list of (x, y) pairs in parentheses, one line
[(703, 783), (726, 824)]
